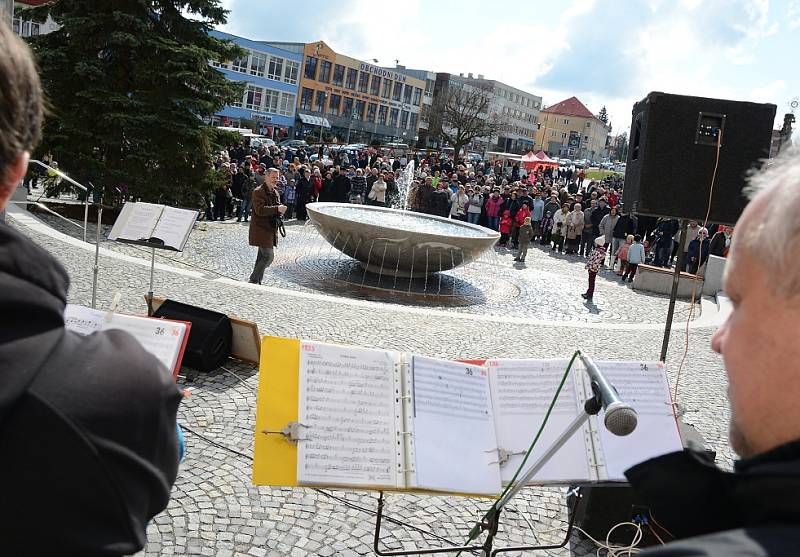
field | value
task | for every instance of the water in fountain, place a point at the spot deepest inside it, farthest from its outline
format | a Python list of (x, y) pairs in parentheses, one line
[(404, 221), (404, 182)]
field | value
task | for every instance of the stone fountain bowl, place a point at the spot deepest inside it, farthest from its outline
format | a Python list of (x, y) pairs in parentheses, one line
[(399, 243)]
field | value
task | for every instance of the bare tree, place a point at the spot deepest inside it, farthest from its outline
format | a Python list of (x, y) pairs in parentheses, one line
[(463, 113)]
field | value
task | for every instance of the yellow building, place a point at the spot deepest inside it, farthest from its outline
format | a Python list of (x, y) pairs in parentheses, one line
[(569, 129), (359, 101)]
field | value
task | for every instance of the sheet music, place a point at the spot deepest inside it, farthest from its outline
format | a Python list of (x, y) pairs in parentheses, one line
[(644, 386), (453, 428), (174, 226), (347, 400), (521, 393), (136, 221), (162, 338)]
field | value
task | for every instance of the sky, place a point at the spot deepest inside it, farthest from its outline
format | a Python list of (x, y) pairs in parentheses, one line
[(605, 52)]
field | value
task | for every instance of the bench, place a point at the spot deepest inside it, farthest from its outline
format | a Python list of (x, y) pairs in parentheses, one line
[(659, 280)]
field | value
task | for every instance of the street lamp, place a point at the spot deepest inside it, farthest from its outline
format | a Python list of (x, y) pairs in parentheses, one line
[(322, 111)]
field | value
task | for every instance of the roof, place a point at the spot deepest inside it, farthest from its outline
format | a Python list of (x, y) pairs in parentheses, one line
[(570, 107)]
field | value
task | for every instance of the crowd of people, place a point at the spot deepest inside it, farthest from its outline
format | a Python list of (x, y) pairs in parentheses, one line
[(556, 207)]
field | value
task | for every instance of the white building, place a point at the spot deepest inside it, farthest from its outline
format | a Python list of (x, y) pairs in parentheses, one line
[(25, 26), (519, 109)]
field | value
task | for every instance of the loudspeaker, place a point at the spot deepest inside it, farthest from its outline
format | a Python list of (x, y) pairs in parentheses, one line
[(673, 149), (209, 342)]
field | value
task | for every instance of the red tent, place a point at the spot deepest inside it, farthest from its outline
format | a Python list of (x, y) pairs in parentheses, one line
[(538, 161)]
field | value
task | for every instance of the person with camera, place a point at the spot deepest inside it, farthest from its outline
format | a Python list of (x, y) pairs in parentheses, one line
[(265, 222)]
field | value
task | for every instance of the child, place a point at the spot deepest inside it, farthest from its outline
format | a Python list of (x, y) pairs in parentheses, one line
[(547, 226), (505, 228), (524, 239), (635, 258), (622, 255), (593, 265), (289, 199), (558, 237)]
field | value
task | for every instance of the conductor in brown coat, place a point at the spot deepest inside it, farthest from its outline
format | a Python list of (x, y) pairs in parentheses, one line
[(267, 208)]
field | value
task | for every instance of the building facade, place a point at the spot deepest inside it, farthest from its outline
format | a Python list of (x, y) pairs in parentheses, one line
[(26, 26), (518, 109), (427, 99), (569, 129), (354, 101), (272, 76)]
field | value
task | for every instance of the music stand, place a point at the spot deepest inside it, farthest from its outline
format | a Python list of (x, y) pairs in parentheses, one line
[(491, 522)]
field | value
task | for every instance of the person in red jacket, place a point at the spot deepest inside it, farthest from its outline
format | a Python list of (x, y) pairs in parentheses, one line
[(493, 205), (316, 184), (505, 228)]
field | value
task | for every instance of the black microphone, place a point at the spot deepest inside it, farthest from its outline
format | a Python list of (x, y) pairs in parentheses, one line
[(621, 418)]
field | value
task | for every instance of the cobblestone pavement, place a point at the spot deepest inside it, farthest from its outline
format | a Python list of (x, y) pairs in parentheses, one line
[(216, 511), (547, 286)]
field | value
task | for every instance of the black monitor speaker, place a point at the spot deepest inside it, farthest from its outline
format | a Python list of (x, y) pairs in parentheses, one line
[(210, 337), (672, 153)]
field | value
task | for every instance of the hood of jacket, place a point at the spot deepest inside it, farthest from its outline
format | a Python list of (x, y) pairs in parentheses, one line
[(33, 294)]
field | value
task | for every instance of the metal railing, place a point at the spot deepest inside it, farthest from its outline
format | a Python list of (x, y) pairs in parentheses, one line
[(85, 190)]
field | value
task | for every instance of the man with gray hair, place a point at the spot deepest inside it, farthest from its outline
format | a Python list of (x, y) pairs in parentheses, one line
[(267, 212), (753, 510)]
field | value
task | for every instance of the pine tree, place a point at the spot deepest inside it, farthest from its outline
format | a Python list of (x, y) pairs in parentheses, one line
[(603, 116), (128, 84)]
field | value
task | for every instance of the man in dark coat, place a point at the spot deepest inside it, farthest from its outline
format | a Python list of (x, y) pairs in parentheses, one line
[(87, 423), (752, 511), (267, 210)]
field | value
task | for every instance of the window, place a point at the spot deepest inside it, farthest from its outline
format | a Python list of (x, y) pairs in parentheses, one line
[(516, 98), (375, 86), (34, 29), (429, 84), (333, 106), (311, 68), (286, 106), (275, 68), (387, 88), (363, 82), (338, 75), (347, 108), (305, 98), (372, 110), (351, 78), (563, 135), (291, 71), (588, 125), (215, 64), (271, 100), (417, 96), (412, 122), (393, 114), (253, 97), (404, 119), (359, 110), (382, 112), (320, 105), (566, 120), (407, 92), (258, 63), (240, 64), (586, 138), (397, 92), (240, 102), (325, 71)]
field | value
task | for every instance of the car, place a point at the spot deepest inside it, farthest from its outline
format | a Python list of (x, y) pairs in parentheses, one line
[(565, 162), (256, 142), (293, 143), (607, 165)]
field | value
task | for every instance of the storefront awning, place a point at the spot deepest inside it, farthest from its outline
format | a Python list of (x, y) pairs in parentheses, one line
[(314, 120)]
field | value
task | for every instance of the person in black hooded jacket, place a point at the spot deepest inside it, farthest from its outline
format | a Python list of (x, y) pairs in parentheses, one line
[(87, 423)]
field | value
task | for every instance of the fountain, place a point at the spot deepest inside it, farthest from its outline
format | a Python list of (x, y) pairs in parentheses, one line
[(398, 242)]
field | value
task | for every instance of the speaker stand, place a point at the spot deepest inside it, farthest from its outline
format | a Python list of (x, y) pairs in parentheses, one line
[(676, 278)]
